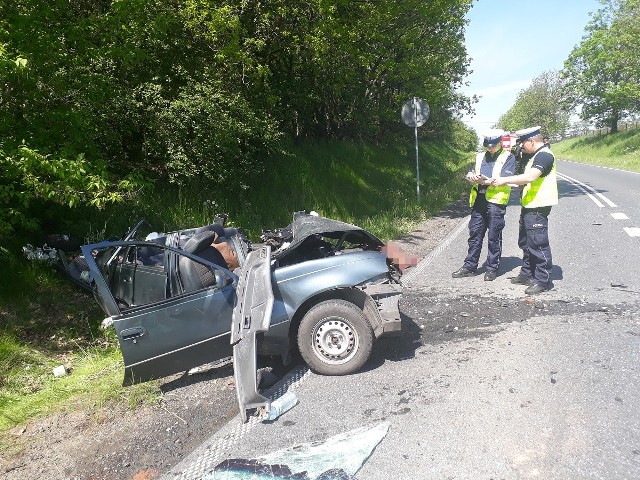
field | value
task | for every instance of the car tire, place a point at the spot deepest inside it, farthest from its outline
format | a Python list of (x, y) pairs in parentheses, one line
[(335, 338)]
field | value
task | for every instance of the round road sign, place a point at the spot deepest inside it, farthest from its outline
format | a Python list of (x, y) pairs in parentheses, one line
[(415, 112)]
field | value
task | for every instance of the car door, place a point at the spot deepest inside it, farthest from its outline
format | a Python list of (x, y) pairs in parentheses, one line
[(251, 316), (137, 281), (171, 335)]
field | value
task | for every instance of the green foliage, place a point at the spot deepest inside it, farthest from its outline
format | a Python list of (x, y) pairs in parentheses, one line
[(206, 90), (28, 176), (353, 182), (625, 28), (29, 389), (209, 137), (461, 137), (45, 321), (603, 71), (539, 104)]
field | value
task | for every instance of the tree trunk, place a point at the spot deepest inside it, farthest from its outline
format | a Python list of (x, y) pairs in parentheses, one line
[(615, 116)]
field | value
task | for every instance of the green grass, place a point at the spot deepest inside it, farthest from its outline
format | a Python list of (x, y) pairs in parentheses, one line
[(94, 380), (45, 321), (372, 187), (619, 150)]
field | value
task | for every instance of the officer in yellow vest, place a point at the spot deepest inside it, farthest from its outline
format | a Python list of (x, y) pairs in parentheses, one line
[(488, 205), (538, 196)]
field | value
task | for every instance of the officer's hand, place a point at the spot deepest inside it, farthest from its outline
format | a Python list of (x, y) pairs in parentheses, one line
[(473, 178), (498, 181)]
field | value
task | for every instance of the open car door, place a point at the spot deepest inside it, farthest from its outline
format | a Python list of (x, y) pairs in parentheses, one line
[(251, 316), (172, 330)]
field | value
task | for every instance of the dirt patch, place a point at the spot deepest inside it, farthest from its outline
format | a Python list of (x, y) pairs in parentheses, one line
[(118, 443), (141, 444)]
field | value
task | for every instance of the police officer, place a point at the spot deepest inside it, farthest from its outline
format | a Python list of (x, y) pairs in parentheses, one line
[(539, 194), (488, 205), (521, 157)]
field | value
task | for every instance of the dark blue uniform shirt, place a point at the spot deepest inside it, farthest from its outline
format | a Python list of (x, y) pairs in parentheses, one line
[(544, 163), (488, 161)]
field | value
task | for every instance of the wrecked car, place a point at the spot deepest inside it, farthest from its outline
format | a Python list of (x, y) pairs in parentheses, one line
[(328, 293)]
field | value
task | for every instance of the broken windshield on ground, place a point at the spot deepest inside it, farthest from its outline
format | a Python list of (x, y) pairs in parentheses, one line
[(337, 458)]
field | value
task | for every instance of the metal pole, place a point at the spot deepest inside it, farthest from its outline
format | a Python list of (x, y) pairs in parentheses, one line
[(415, 119)]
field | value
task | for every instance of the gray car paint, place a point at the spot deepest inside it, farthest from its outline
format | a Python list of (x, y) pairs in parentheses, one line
[(251, 316)]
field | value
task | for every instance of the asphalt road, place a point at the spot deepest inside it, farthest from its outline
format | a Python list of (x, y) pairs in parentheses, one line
[(484, 383)]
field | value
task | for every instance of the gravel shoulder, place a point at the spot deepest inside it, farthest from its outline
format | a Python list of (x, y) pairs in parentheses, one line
[(117, 443)]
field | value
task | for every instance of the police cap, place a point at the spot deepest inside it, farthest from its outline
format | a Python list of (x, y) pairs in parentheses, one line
[(492, 137), (526, 133)]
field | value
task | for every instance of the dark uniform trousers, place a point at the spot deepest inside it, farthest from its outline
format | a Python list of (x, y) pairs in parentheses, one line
[(533, 239), (485, 216)]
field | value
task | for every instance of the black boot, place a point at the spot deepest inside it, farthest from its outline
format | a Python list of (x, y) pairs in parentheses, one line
[(522, 280), (536, 288), (463, 272), (490, 275)]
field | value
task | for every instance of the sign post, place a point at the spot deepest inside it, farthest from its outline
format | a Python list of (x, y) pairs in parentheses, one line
[(414, 114)]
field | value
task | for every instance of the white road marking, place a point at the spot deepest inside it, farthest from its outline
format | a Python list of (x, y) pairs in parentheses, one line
[(599, 166), (619, 216), (578, 183), (631, 231), (606, 200)]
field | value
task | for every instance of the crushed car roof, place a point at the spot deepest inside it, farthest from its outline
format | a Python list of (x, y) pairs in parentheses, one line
[(305, 224)]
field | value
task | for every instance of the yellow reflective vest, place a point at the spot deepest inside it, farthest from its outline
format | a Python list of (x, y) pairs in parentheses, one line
[(498, 195), (542, 192)]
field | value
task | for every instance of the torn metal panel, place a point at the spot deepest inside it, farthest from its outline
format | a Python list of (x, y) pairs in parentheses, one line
[(278, 406), (251, 315), (305, 226), (386, 298)]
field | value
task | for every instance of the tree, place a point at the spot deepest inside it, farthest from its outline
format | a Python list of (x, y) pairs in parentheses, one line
[(204, 90), (539, 104), (341, 69), (602, 71), (625, 28)]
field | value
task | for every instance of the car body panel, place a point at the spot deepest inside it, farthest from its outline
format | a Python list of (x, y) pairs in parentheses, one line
[(170, 335), (174, 336), (251, 316), (297, 283)]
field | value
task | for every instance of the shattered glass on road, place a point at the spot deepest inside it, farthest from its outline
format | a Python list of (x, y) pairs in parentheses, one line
[(337, 458)]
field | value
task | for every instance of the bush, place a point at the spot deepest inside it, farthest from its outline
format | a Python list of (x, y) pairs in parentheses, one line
[(205, 135), (30, 178)]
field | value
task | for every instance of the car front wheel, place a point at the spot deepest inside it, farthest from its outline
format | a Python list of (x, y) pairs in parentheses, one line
[(335, 338)]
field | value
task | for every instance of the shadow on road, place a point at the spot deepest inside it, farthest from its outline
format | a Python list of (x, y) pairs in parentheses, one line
[(401, 346)]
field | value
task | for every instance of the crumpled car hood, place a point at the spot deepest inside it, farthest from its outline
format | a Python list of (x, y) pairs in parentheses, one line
[(305, 225)]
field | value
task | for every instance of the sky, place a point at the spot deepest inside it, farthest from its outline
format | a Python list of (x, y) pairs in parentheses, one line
[(501, 32)]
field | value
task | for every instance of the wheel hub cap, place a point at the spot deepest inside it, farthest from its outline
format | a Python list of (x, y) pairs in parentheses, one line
[(335, 340)]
